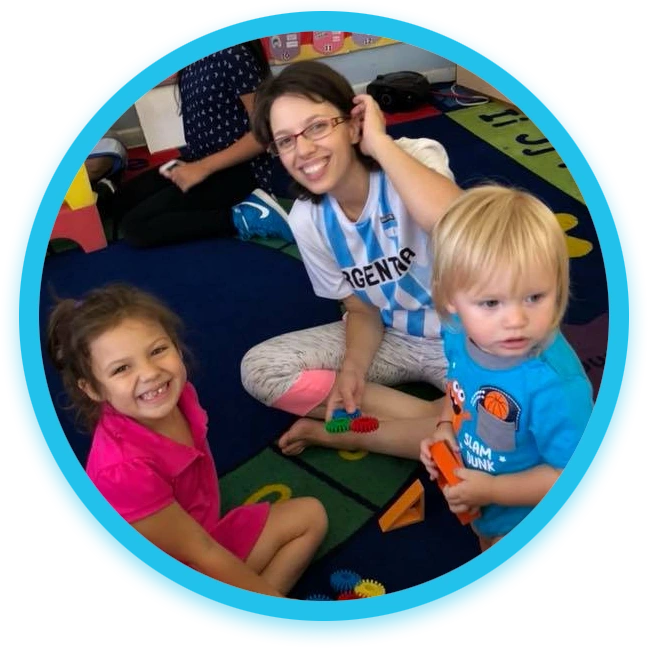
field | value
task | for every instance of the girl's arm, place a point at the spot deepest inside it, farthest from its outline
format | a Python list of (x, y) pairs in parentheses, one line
[(425, 193), (175, 532)]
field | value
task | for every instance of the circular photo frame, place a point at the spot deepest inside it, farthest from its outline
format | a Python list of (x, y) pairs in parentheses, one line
[(456, 594)]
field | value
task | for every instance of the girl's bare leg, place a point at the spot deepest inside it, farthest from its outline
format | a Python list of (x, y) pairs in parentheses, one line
[(292, 534)]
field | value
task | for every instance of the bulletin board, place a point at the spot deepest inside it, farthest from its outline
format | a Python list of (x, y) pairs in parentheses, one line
[(301, 46)]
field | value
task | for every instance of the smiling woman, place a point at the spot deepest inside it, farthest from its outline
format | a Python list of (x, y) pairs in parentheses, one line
[(362, 220)]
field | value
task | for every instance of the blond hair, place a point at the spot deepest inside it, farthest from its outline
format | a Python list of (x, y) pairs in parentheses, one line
[(490, 229)]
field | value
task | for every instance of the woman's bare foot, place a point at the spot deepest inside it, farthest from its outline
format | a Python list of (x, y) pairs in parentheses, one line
[(306, 432)]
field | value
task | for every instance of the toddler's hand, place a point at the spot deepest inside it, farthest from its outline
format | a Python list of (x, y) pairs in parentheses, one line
[(474, 490), (426, 459), (444, 432)]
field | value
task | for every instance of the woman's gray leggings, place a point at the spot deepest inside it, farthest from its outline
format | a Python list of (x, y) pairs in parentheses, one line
[(295, 371)]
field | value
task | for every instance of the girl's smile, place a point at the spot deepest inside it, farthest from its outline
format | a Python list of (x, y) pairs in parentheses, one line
[(157, 394), (139, 370)]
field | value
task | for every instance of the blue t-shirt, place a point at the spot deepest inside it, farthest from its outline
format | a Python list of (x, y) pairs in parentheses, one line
[(213, 114), (512, 414)]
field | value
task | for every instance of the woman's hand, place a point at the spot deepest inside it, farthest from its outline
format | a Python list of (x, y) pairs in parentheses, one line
[(372, 123), (186, 175), (347, 390)]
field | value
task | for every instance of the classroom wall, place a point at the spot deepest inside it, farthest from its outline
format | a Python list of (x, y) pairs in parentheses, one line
[(360, 67)]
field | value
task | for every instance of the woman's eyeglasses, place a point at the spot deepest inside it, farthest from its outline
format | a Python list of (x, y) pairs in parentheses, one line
[(315, 131)]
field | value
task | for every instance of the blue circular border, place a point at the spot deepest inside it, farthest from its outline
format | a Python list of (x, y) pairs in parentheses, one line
[(401, 614)]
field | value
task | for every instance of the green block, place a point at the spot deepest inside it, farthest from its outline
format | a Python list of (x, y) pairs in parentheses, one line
[(374, 477), (272, 477), (515, 135)]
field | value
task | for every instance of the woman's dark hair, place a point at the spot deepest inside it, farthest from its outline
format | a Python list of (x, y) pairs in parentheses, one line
[(315, 81), (74, 324), (255, 47)]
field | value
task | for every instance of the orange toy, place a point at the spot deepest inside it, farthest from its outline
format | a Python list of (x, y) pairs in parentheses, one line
[(447, 461), (408, 509)]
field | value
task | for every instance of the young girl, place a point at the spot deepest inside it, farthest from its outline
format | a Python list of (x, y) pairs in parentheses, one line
[(518, 399), (362, 223), (119, 354), (221, 185)]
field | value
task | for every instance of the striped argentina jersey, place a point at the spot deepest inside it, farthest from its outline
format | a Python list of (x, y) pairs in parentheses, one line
[(383, 258)]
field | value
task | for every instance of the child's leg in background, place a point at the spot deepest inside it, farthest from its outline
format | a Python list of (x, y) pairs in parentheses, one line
[(292, 534), (295, 372)]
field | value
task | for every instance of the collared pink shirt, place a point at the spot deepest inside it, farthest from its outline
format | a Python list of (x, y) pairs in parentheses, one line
[(140, 472)]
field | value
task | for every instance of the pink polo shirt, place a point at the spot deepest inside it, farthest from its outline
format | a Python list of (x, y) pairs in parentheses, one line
[(140, 472)]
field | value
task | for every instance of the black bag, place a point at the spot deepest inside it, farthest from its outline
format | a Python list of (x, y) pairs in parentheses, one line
[(400, 91)]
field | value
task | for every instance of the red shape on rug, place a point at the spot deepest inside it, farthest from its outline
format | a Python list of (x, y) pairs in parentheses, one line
[(412, 115)]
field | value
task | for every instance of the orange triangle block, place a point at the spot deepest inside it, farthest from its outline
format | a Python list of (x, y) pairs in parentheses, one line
[(408, 509)]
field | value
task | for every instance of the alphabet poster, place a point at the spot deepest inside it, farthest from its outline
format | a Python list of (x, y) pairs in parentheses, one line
[(300, 46)]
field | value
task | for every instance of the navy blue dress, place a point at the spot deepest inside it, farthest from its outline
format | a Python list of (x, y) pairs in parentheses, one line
[(151, 210), (213, 115)]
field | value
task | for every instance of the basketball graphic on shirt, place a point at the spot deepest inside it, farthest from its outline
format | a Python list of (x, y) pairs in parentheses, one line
[(496, 404)]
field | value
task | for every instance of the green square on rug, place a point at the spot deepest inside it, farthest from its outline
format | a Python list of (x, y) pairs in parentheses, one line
[(269, 477)]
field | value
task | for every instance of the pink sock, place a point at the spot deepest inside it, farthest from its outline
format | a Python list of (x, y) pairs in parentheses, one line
[(308, 391)]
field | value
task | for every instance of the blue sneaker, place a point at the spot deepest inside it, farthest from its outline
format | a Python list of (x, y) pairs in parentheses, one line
[(260, 215)]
